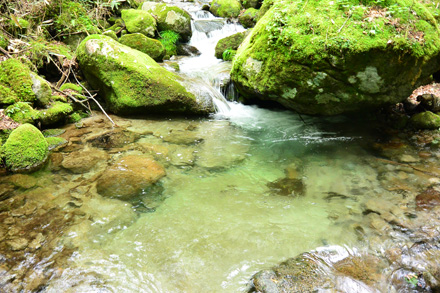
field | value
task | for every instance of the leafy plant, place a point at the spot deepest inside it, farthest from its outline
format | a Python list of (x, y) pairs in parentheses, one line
[(228, 54), (169, 40)]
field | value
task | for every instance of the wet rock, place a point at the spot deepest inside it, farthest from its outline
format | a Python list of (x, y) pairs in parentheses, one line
[(182, 137), (114, 138), (428, 199), (301, 274), (17, 244), (55, 160), (9, 221), (25, 210), (129, 176), (83, 161), (183, 157), (425, 120), (35, 281), (187, 50), (405, 158), (365, 268), (23, 181), (37, 241), (6, 191), (288, 187)]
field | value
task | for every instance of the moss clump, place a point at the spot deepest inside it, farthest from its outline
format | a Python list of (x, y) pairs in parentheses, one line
[(4, 41), (132, 82), (322, 57), (170, 18), (15, 82), (57, 112), (249, 18), (169, 40), (25, 150), (71, 86), (22, 112), (226, 8), (54, 142), (229, 43), (229, 54), (151, 47), (425, 120), (110, 33), (139, 21)]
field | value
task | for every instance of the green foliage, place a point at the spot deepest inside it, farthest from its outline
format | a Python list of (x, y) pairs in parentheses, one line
[(229, 54), (169, 40)]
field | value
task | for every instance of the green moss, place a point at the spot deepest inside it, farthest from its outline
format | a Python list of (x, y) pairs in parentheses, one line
[(248, 18), (56, 113), (25, 149), (53, 132), (15, 82), (4, 41), (151, 47), (170, 18), (139, 21), (225, 8), (54, 142), (169, 40), (229, 54), (71, 86), (229, 43), (110, 33), (119, 23), (22, 112), (425, 120), (76, 117)]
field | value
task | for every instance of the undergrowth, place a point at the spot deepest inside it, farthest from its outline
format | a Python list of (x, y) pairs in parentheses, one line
[(169, 40)]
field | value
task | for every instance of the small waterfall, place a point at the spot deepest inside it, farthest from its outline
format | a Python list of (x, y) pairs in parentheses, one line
[(207, 75)]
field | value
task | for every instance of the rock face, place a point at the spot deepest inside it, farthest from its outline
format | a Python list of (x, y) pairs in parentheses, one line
[(151, 47), (25, 150), (170, 18), (133, 83), (225, 8), (316, 61), (139, 21), (129, 177)]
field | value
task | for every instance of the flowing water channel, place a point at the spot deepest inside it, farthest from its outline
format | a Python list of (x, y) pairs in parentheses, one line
[(244, 190)]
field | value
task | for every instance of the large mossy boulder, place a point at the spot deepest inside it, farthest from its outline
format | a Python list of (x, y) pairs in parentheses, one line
[(332, 57), (151, 47), (226, 8), (231, 42), (19, 84), (25, 149), (425, 120), (139, 21), (170, 18), (129, 177), (132, 82)]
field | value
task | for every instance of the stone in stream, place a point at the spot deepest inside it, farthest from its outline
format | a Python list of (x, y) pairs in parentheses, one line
[(225, 8), (133, 83), (428, 199), (129, 177), (318, 61), (425, 120), (288, 187), (83, 161), (231, 42), (171, 18), (140, 42), (113, 138)]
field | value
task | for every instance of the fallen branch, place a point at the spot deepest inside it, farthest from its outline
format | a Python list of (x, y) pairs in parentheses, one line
[(5, 52)]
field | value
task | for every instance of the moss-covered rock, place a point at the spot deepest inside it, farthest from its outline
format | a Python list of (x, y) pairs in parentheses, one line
[(251, 3), (41, 89), (232, 43), (225, 8), (248, 18), (151, 47), (54, 142), (25, 150), (15, 82), (132, 82), (170, 18), (310, 57), (57, 112), (139, 21), (111, 33), (425, 120), (22, 112)]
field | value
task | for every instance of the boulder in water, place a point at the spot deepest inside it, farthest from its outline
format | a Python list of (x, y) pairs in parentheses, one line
[(231, 42), (25, 149), (225, 8), (170, 18), (321, 61), (132, 82), (140, 42), (130, 176)]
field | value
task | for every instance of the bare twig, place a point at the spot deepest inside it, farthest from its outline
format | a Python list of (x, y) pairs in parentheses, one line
[(5, 52), (339, 30)]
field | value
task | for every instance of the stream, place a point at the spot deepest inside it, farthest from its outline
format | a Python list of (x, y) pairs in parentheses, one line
[(245, 189)]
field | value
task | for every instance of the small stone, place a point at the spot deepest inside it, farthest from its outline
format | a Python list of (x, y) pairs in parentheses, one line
[(23, 181), (37, 242), (17, 244), (428, 199), (408, 159)]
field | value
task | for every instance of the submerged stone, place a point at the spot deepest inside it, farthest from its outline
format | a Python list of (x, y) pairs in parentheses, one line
[(129, 177), (132, 82), (25, 150), (114, 138), (83, 161), (318, 61), (428, 199), (287, 187)]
